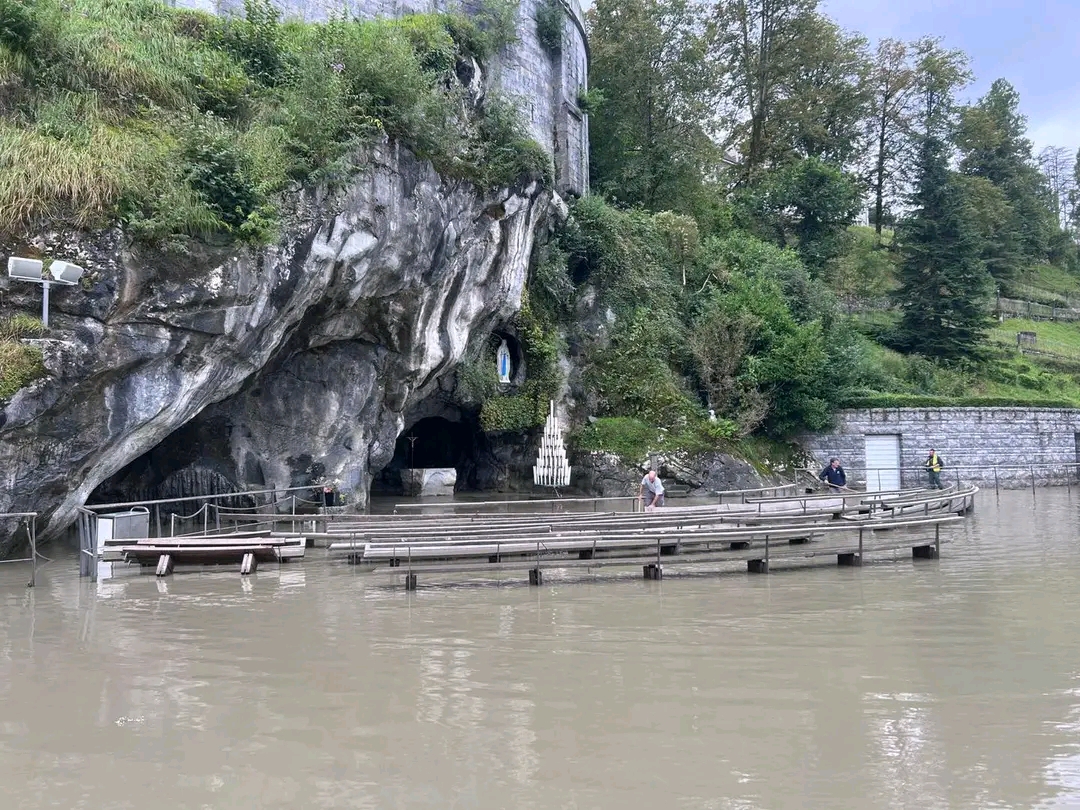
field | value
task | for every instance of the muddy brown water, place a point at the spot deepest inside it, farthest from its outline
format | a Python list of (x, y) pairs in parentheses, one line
[(930, 684)]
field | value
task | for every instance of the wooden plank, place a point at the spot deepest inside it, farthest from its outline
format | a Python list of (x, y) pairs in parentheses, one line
[(513, 545), (779, 553)]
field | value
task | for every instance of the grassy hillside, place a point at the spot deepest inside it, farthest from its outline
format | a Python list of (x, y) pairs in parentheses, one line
[(174, 122), (1047, 373)]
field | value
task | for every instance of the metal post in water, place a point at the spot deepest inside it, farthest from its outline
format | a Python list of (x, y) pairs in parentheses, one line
[(997, 492), (1033, 483), (31, 528), (172, 525), (206, 517), (84, 542), (157, 513)]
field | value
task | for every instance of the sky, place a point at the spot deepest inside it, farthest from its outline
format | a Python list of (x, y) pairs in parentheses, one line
[(1033, 43)]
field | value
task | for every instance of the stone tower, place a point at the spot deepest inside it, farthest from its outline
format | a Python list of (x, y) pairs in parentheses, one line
[(544, 85)]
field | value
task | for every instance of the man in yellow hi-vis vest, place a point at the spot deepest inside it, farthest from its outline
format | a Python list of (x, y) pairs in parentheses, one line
[(933, 466)]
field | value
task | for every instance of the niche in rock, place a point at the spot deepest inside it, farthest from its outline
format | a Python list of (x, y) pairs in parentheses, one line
[(509, 358), (183, 465), (437, 441)]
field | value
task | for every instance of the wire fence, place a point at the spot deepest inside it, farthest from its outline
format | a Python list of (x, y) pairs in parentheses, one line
[(1003, 476), (1034, 311)]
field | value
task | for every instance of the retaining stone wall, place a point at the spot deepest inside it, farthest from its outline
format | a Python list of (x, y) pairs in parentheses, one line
[(543, 85), (972, 442)]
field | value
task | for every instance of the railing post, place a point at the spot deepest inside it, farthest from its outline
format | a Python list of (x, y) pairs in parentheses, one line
[(172, 525), (32, 530), (157, 516), (1033, 499)]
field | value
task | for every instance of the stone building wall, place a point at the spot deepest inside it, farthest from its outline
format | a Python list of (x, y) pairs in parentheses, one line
[(972, 442), (543, 85)]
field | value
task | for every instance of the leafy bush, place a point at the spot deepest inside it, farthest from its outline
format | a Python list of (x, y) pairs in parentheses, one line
[(633, 439), (550, 21), (504, 153), (182, 123), (590, 101)]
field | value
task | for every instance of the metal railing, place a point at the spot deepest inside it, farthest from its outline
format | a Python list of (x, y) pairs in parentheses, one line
[(1002, 476), (274, 502), (28, 521)]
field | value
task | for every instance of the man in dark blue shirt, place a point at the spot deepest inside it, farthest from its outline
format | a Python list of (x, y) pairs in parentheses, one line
[(834, 474)]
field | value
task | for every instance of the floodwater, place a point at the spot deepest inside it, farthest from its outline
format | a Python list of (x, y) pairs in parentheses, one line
[(929, 684)]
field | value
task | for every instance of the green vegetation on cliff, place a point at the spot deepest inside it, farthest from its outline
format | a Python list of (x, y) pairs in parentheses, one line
[(720, 267), (179, 123), (20, 364)]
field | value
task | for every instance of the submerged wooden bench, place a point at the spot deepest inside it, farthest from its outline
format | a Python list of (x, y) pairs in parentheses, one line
[(846, 541), (166, 552)]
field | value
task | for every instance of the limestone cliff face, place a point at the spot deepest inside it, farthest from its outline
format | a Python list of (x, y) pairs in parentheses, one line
[(270, 361)]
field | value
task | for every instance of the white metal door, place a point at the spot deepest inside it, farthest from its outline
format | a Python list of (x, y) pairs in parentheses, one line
[(883, 463)]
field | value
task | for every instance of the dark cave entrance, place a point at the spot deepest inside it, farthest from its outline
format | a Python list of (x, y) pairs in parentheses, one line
[(436, 441), (189, 462)]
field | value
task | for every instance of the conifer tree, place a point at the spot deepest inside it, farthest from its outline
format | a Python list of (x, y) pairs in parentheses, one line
[(943, 280)]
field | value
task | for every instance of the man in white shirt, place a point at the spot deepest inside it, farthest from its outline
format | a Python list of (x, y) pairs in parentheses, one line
[(652, 490)]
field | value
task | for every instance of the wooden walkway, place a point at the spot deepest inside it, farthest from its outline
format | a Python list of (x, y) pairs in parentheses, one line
[(757, 527), (790, 529), (247, 549)]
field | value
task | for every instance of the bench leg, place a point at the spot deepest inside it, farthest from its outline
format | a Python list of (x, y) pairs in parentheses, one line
[(738, 545), (924, 552), (848, 559), (757, 566), (410, 582), (536, 576), (164, 565), (248, 564), (653, 571)]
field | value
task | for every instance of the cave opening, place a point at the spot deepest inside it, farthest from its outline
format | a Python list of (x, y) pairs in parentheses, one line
[(438, 441), (185, 464)]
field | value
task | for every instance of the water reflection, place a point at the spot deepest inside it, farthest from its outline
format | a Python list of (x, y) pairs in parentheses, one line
[(931, 685)]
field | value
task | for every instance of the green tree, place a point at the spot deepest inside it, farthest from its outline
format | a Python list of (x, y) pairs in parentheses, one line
[(794, 82), (649, 142), (991, 137), (759, 42), (892, 85), (863, 275), (943, 281), (823, 103), (809, 204), (1054, 162), (759, 364)]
